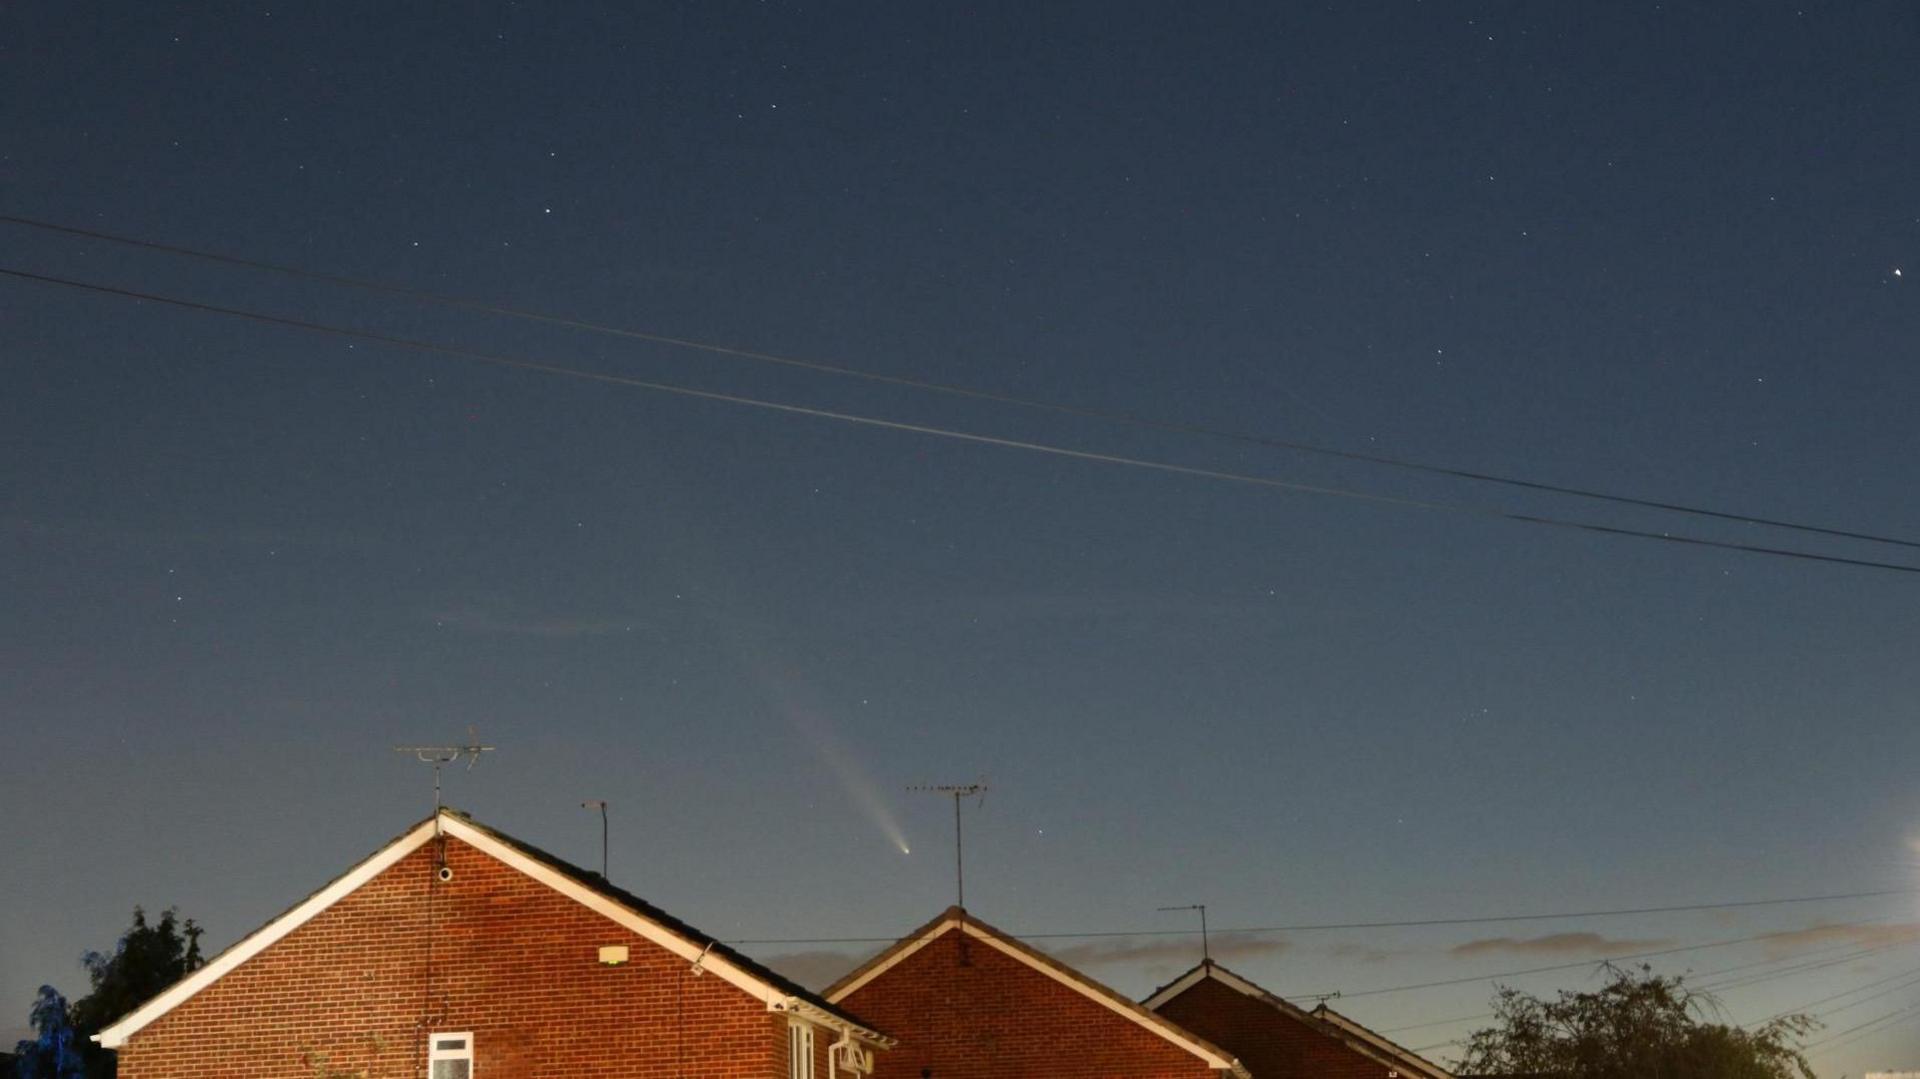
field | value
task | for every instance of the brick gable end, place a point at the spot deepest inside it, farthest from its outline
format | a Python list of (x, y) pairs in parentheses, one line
[(1270, 1043), (997, 1018), (362, 984)]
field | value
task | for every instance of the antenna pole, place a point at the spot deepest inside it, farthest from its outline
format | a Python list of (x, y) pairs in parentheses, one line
[(1206, 953), (601, 805), (959, 858), (958, 791)]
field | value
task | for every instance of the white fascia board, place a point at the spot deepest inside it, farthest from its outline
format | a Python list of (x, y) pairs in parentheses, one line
[(820, 1017), (1403, 1057), (1151, 1022), (1225, 977), (1236, 982), (116, 1035), (1372, 1045), (773, 996), (1173, 989), (1139, 1015), (892, 961)]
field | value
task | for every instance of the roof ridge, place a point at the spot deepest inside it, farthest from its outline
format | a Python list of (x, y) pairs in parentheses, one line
[(959, 918), (748, 974), (1341, 1019), (1347, 1030)]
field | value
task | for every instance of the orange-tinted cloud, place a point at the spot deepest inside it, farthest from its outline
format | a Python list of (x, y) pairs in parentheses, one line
[(815, 969), (1557, 944), (1877, 935)]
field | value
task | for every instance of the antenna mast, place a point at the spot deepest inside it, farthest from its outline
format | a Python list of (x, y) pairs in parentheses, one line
[(444, 755), (601, 805), (958, 791), (1206, 953)]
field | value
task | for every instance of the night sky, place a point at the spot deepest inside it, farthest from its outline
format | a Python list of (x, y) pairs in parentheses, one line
[(1661, 250)]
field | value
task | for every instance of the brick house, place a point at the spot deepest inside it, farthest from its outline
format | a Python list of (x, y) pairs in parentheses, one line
[(456, 951), (1280, 1040), (967, 1001)]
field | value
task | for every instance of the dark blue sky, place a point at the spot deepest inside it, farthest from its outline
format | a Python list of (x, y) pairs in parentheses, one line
[(1664, 250)]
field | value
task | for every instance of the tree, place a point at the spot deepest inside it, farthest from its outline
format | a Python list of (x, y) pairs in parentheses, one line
[(1637, 1026), (147, 959), (53, 1052)]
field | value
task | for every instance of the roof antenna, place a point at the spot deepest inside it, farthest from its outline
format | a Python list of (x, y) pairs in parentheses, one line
[(601, 805), (959, 791), (1206, 953), (444, 755)]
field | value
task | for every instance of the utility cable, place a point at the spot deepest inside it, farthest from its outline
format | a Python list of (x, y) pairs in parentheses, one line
[(1706, 987), (1836, 1040), (1831, 1042), (1877, 1026), (1567, 966), (1536, 917), (841, 370), (1403, 924), (1849, 1041), (956, 435), (1797, 959), (1910, 982), (1345, 995), (1436, 1023), (1801, 968)]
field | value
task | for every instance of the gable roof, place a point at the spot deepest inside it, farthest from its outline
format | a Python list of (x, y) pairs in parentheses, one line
[(587, 888), (956, 919), (1405, 1057), (1322, 1018)]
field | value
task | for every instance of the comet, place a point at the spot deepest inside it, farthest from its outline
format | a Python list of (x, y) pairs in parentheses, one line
[(786, 693)]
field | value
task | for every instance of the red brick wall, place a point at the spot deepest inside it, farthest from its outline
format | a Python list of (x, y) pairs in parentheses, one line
[(1000, 1019), (1272, 1044), (512, 961)]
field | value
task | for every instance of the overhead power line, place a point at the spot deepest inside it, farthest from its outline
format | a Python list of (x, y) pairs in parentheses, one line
[(1705, 985), (953, 434), (1655, 954), (842, 370), (1906, 978), (1436, 1023), (1840, 1038), (1345, 994), (1799, 960), (1486, 919), (1746, 980), (1532, 917)]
